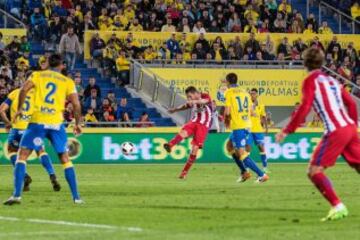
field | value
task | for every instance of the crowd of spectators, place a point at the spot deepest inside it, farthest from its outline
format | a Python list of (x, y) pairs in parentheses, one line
[(49, 19)]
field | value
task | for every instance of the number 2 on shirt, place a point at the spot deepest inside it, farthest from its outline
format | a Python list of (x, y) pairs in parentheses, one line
[(52, 89), (242, 105)]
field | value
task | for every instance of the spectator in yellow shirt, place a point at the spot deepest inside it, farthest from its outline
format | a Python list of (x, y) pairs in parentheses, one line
[(78, 13), (123, 68), (250, 28), (121, 18), (355, 11), (129, 13), (325, 29), (90, 116), (149, 53), (22, 63), (135, 26), (250, 13), (285, 7), (309, 29)]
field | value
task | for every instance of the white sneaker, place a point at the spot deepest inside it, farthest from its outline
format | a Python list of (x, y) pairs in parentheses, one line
[(79, 201)]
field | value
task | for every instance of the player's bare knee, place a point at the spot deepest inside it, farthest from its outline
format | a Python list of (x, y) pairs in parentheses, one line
[(194, 150), (183, 134), (248, 148), (64, 158), (24, 153), (11, 149)]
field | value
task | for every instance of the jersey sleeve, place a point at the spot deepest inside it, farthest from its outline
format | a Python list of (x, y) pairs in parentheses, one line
[(227, 98), (298, 117), (350, 105), (70, 89)]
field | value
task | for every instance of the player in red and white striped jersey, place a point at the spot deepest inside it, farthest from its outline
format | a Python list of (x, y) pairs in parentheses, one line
[(198, 126), (338, 112)]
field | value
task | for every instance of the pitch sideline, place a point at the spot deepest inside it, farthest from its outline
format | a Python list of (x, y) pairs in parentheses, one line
[(73, 224)]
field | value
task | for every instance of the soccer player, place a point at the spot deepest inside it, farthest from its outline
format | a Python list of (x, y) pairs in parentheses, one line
[(198, 126), (51, 89), (338, 112), (238, 107), (16, 131), (258, 123)]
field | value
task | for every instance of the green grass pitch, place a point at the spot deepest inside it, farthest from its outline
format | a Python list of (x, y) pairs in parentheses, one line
[(149, 202)]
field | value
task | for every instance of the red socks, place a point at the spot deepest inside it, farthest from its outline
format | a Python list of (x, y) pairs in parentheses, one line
[(175, 140), (324, 185), (188, 164)]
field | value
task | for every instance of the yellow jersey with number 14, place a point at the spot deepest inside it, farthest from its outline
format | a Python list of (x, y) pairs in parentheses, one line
[(50, 93), (240, 106), (258, 113), (22, 122)]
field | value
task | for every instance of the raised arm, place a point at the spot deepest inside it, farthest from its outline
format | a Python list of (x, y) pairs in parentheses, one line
[(179, 108), (308, 92)]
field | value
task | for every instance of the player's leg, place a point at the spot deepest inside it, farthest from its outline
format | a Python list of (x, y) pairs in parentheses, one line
[(185, 132), (244, 173), (259, 141), (325, 155), (240, 140), (200, 133), (48, 166), (191, 160), (351, 152), (58, 139), (31, 140)]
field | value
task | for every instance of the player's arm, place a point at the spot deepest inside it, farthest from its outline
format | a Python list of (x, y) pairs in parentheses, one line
[(74, 99), (179, 108), (202, 101), (350, 104), (3, 110), (308, 92), (227, 110), (28, 85), (263, 119)]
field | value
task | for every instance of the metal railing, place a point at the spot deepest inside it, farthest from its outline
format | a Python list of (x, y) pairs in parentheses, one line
[(152, 87), (11, 21), (173, 63), (341, 15)]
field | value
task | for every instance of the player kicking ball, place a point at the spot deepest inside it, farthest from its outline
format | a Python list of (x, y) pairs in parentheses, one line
[(238, 108), (337, 111), (51, 90), (198, 126), (16, 131)]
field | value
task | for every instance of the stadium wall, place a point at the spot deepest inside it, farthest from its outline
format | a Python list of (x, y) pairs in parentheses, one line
[(103, 145)]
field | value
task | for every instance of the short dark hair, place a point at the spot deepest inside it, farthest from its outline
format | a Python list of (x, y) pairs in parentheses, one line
[(55, 60), (231, 78), (313, 58), (191, 89), (254, 90)]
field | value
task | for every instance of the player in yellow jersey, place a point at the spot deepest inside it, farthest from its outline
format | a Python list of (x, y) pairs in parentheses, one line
[(51, 90), (258, 128), (16, 131), (238, 109)]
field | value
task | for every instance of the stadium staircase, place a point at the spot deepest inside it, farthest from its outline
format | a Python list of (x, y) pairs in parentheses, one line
[(333, 22), (106, 85)]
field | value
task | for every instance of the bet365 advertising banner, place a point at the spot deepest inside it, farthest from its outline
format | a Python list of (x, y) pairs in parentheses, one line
[(106, 148), (277, 87)]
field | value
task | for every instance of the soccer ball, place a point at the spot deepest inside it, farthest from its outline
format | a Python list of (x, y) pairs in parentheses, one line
[(127, 148)]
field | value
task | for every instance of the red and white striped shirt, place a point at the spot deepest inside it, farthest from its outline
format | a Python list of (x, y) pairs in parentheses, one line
[(330, 101), (202, 113)]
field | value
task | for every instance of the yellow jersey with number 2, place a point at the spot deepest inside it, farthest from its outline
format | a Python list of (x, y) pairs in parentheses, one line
[(258, 113), (22, 122), (51, 88), (240, 105)]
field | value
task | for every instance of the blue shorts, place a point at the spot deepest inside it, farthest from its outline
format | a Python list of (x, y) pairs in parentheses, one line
[(257, 138), (14, 137), (239, 138), (35, 134)]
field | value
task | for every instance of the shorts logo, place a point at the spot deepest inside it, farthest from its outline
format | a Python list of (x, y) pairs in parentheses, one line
[(243, 142), (38, 141)]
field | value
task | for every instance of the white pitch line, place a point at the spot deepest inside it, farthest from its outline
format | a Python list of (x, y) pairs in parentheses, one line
[(73, 224), (44, 233)]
